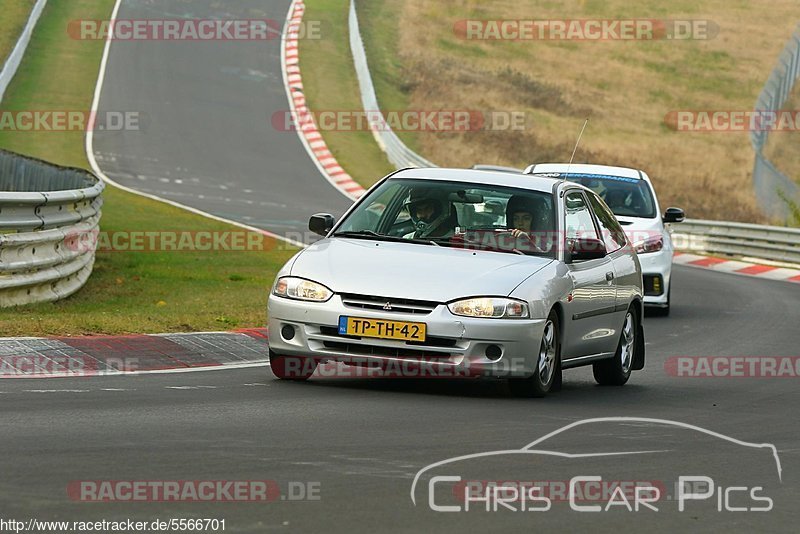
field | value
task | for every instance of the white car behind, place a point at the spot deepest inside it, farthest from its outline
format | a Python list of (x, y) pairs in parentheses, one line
[(630, 195)]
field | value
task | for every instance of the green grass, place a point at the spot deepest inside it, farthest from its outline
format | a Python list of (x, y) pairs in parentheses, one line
[(128, 292), (13, 16), (330, 84)]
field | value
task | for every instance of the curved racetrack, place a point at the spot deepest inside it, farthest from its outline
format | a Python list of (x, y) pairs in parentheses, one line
[(364, 440), (205, 136)]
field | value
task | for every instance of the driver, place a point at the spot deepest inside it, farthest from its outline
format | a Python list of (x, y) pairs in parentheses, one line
[(432, 213)]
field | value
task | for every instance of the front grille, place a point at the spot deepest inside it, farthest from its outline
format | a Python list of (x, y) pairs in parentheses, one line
[(395, 305), (653, 285), (388, 352), (430, 341)]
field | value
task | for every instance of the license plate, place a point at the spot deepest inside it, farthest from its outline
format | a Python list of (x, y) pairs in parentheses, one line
[(380, 328)]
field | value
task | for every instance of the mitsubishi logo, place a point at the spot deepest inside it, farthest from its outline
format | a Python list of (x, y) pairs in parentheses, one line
[(388, 306)]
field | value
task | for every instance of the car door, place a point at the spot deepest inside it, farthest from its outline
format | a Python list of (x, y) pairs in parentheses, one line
[(626, 269), (591, 307)]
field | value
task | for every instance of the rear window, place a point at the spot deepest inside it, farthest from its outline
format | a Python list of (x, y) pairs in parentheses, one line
[(628, 197)]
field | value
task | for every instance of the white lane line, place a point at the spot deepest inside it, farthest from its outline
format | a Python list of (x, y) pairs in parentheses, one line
[(116, 389), (255, 384), (56, 390), (223, 367), (190, 387)]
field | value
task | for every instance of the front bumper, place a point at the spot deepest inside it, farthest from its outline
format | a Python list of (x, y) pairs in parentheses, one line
[(454, 346), (656, 271)]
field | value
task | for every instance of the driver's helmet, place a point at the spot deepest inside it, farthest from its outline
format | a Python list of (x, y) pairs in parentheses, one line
[(423, 197)]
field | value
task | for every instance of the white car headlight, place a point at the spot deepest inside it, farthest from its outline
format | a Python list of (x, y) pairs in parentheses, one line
[(490, 307), (301, 289)]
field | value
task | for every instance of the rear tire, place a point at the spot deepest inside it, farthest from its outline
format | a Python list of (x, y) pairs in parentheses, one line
[(296, 368), (547, 376), (617, 370)]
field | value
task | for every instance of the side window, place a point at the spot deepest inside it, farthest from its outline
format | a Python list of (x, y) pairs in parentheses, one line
[(613, 234), (578, 220)]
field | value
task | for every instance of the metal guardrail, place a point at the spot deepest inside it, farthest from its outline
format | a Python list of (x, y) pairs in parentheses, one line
[(398, 153), (15, 58), (48, 217), (770, 183), (773, 243)]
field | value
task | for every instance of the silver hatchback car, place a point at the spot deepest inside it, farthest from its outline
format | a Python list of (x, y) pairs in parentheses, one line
[(456, 272)]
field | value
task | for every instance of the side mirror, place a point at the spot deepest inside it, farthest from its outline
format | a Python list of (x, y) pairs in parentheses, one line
[(586, 248), (321, 223), (673, 215)]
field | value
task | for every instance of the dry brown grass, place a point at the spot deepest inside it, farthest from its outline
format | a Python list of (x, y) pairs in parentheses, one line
[(783, 147), (627, 87)]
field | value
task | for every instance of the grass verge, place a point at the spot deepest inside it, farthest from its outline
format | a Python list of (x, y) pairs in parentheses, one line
[(129, 292), (12, 20), (330, 84)]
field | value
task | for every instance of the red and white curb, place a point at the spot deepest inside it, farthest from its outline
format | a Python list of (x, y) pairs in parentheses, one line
[(308, 132), (84, 356), (737, 267)]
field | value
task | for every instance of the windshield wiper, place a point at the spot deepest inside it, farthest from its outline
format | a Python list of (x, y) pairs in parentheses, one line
[(482, 246), (369, 234)]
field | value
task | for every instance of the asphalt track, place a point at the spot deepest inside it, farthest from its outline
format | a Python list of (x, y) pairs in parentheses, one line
[(205, 136), (363, 441)]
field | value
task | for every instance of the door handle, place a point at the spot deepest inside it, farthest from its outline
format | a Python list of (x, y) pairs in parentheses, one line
[(609, 276)]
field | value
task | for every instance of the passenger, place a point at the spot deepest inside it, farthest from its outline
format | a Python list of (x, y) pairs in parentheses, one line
[(530, 218)]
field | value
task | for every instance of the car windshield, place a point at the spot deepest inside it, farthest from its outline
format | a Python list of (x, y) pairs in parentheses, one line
[(628, 197), (455, 214)]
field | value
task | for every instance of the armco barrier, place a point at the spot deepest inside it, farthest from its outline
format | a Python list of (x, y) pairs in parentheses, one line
[(43, 210), (773, 243), (398, 153)]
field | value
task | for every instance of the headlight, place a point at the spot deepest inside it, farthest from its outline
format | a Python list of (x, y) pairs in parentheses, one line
[(490, 307), (300, 289), (651, 244)]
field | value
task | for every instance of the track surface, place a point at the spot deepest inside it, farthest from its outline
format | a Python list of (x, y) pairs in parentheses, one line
[(207, 141), (206, 137), (363, 440)]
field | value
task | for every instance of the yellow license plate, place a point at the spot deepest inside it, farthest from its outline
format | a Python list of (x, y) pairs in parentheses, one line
[(380, 328)]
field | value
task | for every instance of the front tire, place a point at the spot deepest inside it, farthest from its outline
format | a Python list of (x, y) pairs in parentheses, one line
[(296, 368), (547, 376), (617, 370)]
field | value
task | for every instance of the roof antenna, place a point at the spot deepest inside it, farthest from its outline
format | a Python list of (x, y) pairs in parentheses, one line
[(575, 149)]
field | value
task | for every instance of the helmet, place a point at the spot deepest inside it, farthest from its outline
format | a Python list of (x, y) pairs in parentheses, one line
[(438, 200)]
